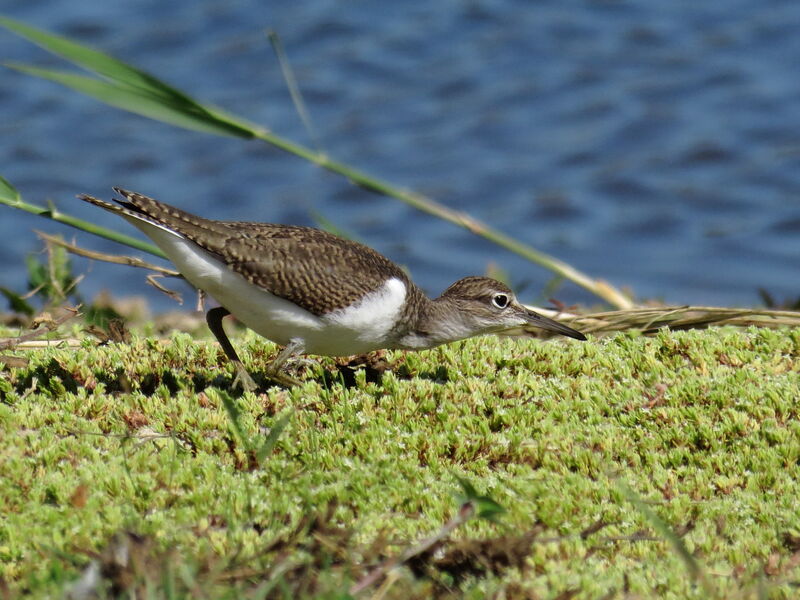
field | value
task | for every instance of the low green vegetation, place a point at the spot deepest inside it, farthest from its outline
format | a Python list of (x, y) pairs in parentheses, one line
[(627, 467)]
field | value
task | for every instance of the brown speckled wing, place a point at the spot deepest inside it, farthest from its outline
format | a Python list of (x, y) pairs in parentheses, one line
[(292, 262), (314, 269)]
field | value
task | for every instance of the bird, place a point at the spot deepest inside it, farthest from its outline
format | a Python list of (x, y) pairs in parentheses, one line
[(314, 292)]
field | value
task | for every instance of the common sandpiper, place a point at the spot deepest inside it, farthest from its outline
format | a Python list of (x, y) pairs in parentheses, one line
[(316, 293)]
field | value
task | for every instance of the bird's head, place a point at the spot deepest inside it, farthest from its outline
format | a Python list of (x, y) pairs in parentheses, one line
[(482, 305)]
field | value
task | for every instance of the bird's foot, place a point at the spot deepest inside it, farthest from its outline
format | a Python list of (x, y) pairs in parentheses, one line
[(297, 362), (243, 380), (282, 378), (274, 370)]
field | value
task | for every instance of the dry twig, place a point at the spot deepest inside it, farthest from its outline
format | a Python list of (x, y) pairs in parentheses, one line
[(131, 261), (649, 319), (39, 330)]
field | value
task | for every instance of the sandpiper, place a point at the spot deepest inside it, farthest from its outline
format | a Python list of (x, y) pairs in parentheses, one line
[(314, 292)]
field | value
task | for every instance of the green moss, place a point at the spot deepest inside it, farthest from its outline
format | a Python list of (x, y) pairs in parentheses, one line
[(703, 426)]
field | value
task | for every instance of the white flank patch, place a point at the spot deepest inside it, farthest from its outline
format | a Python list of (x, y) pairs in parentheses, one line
[(374, 316)]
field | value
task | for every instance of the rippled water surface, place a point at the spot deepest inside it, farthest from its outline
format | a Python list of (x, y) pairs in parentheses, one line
[(653, 144)]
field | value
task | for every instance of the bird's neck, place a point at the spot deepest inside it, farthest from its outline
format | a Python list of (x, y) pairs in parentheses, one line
[(432, 322)]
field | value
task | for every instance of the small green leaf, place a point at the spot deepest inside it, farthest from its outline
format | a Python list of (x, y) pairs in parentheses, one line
[(141, 102), (488, 509), (127, 87), (468, 490), (17, 302), (95, 61), (37, 273), (235, 417), (272, 437), (60, 278), (100, 316), (485, 507), (8, 192)]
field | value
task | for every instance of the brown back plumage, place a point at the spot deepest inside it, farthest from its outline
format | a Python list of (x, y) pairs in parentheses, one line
[(292, 262)]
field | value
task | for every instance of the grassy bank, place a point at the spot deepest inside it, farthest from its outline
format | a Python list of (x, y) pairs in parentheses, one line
[(703, 426)]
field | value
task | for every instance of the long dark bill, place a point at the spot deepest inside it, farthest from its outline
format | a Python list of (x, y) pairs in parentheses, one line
[(541, 322)]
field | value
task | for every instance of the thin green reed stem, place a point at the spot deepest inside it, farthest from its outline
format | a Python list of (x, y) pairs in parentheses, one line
[(432, 207), (56, 215)]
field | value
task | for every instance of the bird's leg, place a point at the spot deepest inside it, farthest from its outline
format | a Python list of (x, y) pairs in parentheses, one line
[(273, 370), (214, 319)]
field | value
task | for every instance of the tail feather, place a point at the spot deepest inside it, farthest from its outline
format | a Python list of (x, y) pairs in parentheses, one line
[(126, 209), (121, 208), (140, 209)]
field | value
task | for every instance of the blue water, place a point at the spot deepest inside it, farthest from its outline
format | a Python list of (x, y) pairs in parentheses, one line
[(652, 144)]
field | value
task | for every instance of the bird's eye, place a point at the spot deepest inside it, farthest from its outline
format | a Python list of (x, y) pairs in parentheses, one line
[(500, 300)]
